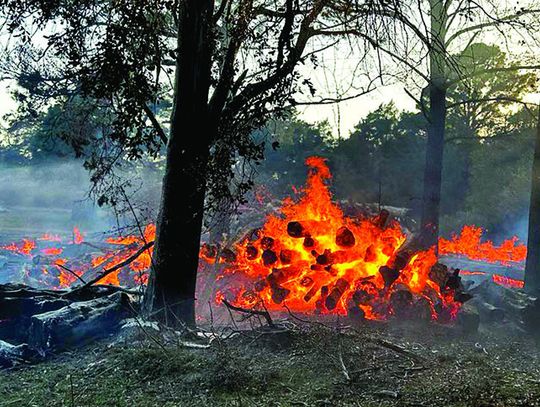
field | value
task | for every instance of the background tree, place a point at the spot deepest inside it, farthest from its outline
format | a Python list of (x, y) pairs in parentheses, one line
[(431, 33)]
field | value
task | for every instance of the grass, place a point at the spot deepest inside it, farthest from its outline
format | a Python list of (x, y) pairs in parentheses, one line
[(302, 368)]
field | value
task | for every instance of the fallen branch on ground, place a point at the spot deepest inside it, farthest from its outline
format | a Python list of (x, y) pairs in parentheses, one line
[(264, 314)]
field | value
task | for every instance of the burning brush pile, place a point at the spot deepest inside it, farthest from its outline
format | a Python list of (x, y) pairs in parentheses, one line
[(311, 258)]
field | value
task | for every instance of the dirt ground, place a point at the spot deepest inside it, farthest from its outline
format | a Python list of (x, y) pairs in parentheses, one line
[(309, 365)]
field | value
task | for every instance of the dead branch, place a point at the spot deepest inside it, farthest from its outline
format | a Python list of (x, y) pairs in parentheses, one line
[(264, 314), (398, 349), (71, 271), (116, 267)]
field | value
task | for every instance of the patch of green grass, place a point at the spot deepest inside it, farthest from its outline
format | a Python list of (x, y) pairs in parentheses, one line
[(301, 369)]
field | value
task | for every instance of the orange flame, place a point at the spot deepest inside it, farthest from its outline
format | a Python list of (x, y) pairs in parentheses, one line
[(77, 236), (25, 247), (468, 243)]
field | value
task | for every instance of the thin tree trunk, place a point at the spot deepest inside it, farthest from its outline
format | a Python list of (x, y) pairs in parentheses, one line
[(433, 167), (171, 290), (532, 266), (436, 129)]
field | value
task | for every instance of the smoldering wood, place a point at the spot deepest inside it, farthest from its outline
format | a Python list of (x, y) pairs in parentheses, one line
[(78, 323), (33, 321)]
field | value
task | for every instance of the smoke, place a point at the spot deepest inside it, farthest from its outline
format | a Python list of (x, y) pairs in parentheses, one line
[(53, 197)]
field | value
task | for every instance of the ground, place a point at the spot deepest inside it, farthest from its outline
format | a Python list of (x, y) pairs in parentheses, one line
[(432, 366)]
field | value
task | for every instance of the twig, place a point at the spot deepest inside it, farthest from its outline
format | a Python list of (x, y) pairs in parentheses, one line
[(342, 363), (398, 349), (264, 314), (118, 266)]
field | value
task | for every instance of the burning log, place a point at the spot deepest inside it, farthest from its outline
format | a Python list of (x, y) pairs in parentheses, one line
[(295, 229), (269, 257), (439, 274), (116, 267), (389, 275), (345, 238), (251, 252), (285, 256), (312, 291), (401, 301), (370, 256), (267, 243), (335, 295)]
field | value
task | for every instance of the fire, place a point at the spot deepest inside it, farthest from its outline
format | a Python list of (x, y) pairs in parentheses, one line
[(25, 247), (77, 236), (50, 237), (311, 258), (468, 243), (507, 281), (52, 251)]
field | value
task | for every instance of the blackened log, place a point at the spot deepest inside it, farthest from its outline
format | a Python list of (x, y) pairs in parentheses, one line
[(11, 355), (295, 229), (439, 274), (309, 242), (269, 257), (267, 243), (335, 295), (487, 311), (365, 293), (345, 238), (78, 323), (389, 275), (401, 300), (251, 252)]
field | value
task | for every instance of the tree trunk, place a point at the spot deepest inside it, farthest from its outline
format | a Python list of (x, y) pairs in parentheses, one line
[(532, 266), (433, 168), (437, 118), (171, 290)]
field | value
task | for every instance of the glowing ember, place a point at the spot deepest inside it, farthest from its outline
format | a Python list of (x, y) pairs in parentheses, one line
[(52, 251), (313, 259), (50, 238), (77, 236), (507, 281), (25, 247), (468, 243)]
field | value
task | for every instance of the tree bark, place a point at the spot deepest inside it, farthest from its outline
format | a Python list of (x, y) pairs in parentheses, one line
[(437, 119), (171, 290), (532, 265), (433, 167)]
